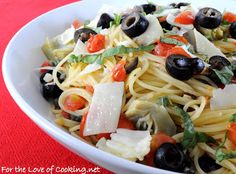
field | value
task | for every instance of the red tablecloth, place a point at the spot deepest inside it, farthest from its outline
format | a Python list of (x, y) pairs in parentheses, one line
[(22, 143)]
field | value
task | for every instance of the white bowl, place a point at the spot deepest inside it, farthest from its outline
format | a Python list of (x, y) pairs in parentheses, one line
[(23, 55)]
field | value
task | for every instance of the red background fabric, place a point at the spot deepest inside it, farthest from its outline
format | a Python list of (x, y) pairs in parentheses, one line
[(22, 143)]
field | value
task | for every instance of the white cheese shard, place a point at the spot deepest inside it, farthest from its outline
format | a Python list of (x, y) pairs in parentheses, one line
[(153, 32), (224, 98), (129, 144), (90, 68), (104, 112), (202, 44), (66, 36)]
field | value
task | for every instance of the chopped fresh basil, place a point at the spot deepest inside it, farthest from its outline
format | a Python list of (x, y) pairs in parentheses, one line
[(99, 58), (116, 21), (164, 101), (224, 22), (191, 137), (171, 41), (220, 155), (225, 74), (233, 118)]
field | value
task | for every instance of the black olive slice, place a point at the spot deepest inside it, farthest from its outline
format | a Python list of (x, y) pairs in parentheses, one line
[(148, 8), (178, 5), (209, 18), (104, 21), (197, 65), (208, 164), (83, 34), (131, 65), (179, 67), (166, 25), (232, 30), (218, 62), (51, 91), (170, 157), (134, 24)]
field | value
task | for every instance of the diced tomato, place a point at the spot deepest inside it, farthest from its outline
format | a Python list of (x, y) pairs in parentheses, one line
[(125, 123), (96, 43), (76, 23), (74, 102), (177, 50), (103, 135), (161, 49), (157, 140), (185, 18), (44, 64), (65, 114), (82, 125), (89, 89), (162, 19), (179, 38), (118, 72), (229, 17), (232, 133)]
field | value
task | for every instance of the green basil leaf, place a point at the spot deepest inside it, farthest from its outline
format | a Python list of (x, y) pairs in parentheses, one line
[(99, 58), (164, 101), (233, 118), (116, 21), (225, 74), (171, 41), (220, 155)]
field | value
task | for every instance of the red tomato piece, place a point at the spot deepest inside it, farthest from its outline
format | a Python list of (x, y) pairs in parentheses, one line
[(89, 89), (74, 102), (103, 135), (229, 17), (65, 114), (161, 49), (76, 23), (232, 133), (185, 18), (125, 123), (118, 72), (82, 125), (177, 50), (96, 43), (44, 64), (157, 140)]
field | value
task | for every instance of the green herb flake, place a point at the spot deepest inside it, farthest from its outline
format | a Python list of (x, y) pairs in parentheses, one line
[(116, 21), (191, 137), (225, 74), (99, 58), (171, 41), (220, 155), (164, 101), (233, 118)]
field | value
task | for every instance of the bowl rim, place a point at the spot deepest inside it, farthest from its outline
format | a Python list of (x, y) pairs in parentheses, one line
[(64, 138)]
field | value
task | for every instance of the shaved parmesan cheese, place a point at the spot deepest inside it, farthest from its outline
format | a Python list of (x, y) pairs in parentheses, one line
[(90, 68), (202, 44), (48, 77), (224, 98), (166, 12), (104, 112), (128, 144), (153, 32), (66, 36)]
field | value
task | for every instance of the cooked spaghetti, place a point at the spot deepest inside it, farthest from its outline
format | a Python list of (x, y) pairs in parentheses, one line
[(169, 87)]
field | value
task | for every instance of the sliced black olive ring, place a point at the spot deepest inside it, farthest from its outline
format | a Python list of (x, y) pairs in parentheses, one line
[(218, 62), (104, 21), (83, 34), (134, 24), (148, 8), (131, 65), (209, 18), (183, 68), (170, 157)]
